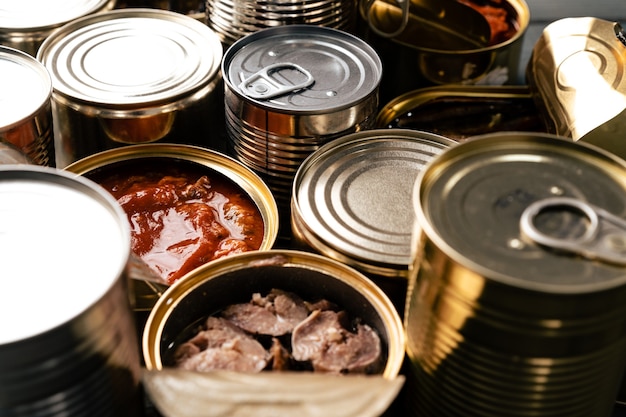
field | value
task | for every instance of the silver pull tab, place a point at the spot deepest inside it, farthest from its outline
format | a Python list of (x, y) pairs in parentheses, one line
[(604, 237), (262, 85)]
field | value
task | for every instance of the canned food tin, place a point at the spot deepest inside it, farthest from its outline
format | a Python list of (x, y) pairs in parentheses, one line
[(291, 89), (133, 76), (101, 166), (576, 73), (518, 279), (460, 112), (24, 25), (192, 8), (25, 107), (352, 201), (410, 63), (68, 344)]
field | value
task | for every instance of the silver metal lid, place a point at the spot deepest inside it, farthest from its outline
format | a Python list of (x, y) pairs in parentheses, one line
[(131, 57), (45, 14), (64, 242), (472, 202), (352, 197), (302, 68), (25, 87)]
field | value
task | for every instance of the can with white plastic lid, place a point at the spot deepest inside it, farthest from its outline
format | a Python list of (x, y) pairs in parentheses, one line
[(65, 246), (24, 25), (291, 89), (25, 106), (133, 76)]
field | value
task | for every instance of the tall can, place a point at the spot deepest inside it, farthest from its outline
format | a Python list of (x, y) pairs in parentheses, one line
[(24, 25), (68, 344), (26, 120), (515, 304), (133, 76), (351, 201), (291, 89)]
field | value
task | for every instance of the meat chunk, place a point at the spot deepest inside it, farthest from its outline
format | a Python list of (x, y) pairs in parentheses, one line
[(276, 314), (221, 346), (281, 358), (324, 340)]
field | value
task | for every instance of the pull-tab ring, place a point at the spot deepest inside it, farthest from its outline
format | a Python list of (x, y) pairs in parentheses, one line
[(404, 7), (603, 239), (262, 85)]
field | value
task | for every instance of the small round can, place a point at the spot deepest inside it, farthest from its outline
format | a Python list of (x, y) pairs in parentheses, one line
[(351, 201), (67, 318), (25, 106), (289, 90), (133, 76), (518, 273), (24, 25)]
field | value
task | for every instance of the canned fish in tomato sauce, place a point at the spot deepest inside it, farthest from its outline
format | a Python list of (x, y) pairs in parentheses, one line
[(518, 279), (133, 76), (26, 120)]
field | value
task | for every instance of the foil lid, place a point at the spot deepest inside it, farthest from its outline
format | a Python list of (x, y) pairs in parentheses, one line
[(576, 73), (45, 14)]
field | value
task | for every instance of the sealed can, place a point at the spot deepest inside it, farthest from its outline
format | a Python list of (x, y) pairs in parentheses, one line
[(68, 344), (518, 279), (289, 90), (459, 112), (133, 76), (351, 201), (162, 159), (26, 120), (424, 43), (576, 73), (25, 25)]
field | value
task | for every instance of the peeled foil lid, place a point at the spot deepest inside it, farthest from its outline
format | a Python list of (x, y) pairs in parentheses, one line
[(25, 87), (44, 14), (577, 69), (131, 57)]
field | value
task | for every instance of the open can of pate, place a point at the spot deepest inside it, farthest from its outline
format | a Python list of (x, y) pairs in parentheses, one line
[(24, 25), (133, 76), (576, 74), (188, 206), (25, 106)]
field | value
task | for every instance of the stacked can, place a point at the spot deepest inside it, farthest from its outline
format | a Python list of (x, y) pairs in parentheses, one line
[(234, 19), (290, 90), (516, 298)]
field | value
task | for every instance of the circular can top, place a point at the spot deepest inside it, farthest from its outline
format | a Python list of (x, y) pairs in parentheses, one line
[(25, 85), (473, 199), (131, 57), (302, 68), (64, 243), (34, 15), (352, 197)]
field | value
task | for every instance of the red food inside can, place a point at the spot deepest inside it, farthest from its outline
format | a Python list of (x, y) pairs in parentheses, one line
[(181, 219), (499, 15)]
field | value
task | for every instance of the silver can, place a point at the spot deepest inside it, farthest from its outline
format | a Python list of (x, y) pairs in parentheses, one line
[(68, 344), (26, 120), (133, 76), (291, 89), (24, 25)]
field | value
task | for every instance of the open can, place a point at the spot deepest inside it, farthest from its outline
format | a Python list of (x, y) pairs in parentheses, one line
[(133, 76)]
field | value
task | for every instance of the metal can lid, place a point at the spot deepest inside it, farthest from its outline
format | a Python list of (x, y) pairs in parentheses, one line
[(131, 57), (473, 199), (25, 86), (64, 243), (45, 14), (352, 197), (302, 68)]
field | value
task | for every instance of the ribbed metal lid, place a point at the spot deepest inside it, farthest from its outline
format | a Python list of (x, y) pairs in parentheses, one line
[(64, 243), (302, 68), (131, 57), (25, 86), (472, 200), (352, 197), (45, 14)]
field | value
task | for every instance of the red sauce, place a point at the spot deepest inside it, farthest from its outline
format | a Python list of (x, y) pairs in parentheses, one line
[(501, 18), (183, 218)]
